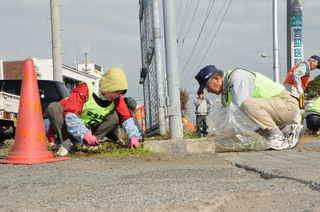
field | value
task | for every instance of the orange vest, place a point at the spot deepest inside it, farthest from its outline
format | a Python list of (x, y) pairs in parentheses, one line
[(303, 80)]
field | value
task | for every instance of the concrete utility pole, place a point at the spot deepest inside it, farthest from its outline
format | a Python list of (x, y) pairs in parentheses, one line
[(174, 109), (160, 73), (276, 71), (294, 33), (56, 41)]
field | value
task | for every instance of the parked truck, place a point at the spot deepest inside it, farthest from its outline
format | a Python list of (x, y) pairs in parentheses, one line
[(49, 91), (9, 107)]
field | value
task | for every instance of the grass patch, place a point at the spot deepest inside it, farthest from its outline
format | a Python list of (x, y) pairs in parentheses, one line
[(123, 152), (187, 134), (110, 150)]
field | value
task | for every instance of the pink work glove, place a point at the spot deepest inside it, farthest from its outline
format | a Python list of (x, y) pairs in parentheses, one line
[(134, 142), (91, 139)]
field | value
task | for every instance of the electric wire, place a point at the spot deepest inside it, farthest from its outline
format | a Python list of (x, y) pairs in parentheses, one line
[(191, 77), (191, 22), (184, 20), (216, 32), (202, 46), (192, 19), (207, 37), (200, 33), (178, 12)]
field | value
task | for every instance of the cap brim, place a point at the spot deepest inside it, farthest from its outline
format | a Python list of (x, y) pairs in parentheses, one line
[(201, 88)]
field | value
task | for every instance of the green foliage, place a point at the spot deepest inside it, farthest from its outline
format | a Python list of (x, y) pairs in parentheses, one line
[(115, 152), (313, 89), (184, 98), (189, 134), (109, 150), (158, 137), (38, 73)]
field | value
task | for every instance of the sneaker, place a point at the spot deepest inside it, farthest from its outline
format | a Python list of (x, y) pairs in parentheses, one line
[(62, 151), (51, 145), (296, 132), (278, 142)]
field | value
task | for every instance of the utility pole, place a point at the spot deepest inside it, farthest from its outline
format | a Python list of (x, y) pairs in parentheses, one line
[(160, 74), (276, 71), (56, 41), (294, 33), (174, 109), (294, 37)]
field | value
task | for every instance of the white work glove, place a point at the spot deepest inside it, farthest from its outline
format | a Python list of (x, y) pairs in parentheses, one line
[(299, 89)]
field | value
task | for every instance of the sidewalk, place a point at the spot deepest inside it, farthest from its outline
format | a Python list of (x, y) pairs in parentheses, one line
[(255, 181), (301, 163)]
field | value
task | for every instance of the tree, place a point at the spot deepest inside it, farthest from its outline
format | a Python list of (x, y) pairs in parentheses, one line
[(313, 89), (37, 72), (184, 98)]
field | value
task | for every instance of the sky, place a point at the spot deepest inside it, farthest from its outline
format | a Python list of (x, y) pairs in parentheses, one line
[(235, 35)]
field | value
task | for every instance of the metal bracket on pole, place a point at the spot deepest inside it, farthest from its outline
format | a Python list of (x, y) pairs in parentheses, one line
[(162, 102), (172, 110)]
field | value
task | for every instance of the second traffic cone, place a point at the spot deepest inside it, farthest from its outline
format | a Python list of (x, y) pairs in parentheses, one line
[(30, 145)]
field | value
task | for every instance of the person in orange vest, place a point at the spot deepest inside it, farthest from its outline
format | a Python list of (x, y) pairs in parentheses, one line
[(298, 77)]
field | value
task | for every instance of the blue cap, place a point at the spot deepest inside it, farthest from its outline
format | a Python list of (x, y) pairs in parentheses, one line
[(204, 75), (317, 58)]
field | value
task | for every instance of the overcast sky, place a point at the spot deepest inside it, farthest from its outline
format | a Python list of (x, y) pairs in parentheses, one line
[(111, 29)]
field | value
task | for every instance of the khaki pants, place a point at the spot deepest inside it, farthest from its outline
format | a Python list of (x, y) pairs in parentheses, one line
[(271, 112), (293, 90)]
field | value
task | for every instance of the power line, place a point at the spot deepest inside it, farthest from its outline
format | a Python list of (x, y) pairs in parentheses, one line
[(192, 20), (178, 12), (194, 13), (216, 32), (203, 25), (191, 77), (186, 14)]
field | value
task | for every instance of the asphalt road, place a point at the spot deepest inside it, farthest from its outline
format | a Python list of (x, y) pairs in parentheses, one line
[(287, 180)]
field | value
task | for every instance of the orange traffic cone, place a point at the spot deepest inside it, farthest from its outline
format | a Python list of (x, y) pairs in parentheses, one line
[(30, 145)]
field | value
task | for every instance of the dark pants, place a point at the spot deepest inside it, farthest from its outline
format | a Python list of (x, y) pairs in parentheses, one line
[(202, 126), (313, 122), (109, 126)]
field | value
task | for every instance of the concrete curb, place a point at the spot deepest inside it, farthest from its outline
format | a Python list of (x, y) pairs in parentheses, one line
[(181, 146), (205, 145)]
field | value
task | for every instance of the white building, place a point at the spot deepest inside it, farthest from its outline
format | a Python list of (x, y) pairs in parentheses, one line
[(71, 76)]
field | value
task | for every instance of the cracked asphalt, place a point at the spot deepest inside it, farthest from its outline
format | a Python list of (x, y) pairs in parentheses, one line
[(286, 180)]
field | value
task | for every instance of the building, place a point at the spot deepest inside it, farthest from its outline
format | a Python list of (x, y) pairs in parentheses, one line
[(44, 67)]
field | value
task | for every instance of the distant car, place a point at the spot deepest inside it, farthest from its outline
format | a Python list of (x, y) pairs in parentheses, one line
[(49, 91)]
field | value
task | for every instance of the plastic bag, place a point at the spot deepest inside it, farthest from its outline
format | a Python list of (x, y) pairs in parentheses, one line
[(232, 130)]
